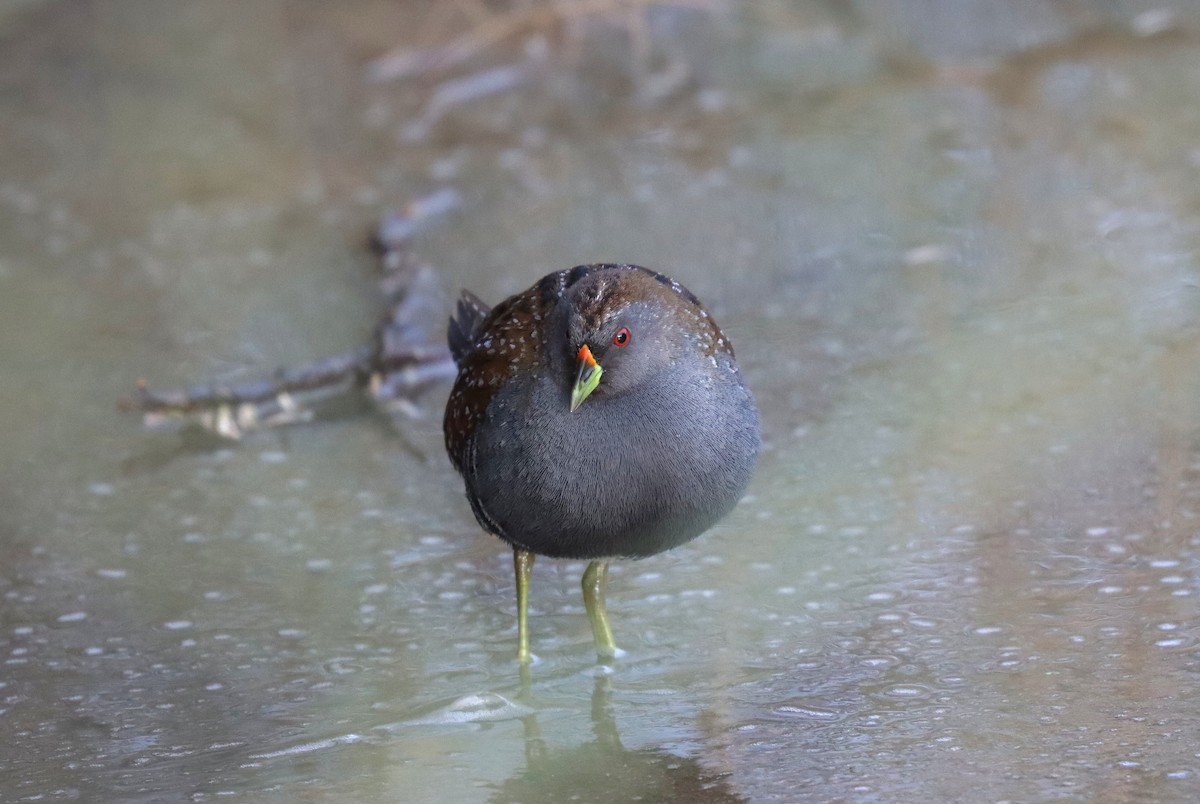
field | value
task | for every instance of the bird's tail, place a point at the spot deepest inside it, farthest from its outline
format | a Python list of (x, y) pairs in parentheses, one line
[(464, 324)]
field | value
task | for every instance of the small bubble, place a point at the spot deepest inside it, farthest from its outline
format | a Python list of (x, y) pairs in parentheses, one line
[(177, 625), (73, 617), (906, 691), (878, 661), (808, 712)]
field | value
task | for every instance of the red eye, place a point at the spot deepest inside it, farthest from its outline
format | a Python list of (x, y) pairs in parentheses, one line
[(622, 337)]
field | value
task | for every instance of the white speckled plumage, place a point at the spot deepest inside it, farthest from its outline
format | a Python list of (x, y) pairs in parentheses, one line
[(662, 449)]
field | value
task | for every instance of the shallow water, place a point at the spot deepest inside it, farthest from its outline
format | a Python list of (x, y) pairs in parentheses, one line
[(954, 244)]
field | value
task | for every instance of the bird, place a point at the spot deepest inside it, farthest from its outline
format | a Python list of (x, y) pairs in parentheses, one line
[(598, 415)]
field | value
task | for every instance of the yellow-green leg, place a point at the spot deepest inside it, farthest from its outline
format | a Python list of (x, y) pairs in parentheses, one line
[(523, 564), (595, 579)]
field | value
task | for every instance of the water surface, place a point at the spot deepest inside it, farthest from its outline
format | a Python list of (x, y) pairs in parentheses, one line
[(955, 247)]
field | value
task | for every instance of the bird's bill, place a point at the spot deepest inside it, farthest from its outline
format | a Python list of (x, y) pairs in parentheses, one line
[(587, 379)]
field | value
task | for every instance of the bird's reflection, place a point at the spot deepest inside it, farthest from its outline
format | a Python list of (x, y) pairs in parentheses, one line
[(604, 770)]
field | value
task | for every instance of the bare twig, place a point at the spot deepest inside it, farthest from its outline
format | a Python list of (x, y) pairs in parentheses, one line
[(403, 359), (491, 28)]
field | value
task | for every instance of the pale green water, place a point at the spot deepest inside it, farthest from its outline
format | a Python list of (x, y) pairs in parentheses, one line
[(955, 245)]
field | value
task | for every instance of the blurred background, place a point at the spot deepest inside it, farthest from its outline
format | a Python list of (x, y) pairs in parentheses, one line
[(953, 241)]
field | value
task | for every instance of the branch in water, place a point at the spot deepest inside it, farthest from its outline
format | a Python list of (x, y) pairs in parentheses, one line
[(402, 360)]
